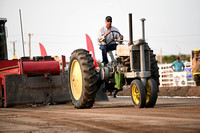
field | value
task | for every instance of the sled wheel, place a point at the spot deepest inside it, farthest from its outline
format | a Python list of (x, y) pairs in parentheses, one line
[(151, 93), (82, 79), (138, 94)]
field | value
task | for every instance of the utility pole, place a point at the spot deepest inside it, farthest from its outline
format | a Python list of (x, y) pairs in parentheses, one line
[(179, 50), (13, 42), (29, 45), (22, 32), (161, 55)]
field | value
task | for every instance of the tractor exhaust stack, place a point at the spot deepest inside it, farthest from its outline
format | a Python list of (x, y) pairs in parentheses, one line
[(143, 29), (130, 29)]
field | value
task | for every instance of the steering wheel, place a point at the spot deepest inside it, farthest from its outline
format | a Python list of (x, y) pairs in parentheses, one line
[(113, 37)]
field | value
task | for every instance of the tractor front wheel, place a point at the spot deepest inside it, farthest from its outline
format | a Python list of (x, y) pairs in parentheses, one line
[(151, 93), (82, 79), (138, 94)]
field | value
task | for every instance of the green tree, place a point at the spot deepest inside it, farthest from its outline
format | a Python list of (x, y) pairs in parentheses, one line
[(172, 58), (169, 59)]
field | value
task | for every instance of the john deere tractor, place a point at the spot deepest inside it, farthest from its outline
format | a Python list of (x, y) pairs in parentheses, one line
[(134, 67)]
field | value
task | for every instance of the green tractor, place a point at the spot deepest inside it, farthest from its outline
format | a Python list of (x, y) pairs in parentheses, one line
[(134, 67)]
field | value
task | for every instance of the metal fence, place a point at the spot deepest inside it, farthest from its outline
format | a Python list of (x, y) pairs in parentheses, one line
[(168, 78)]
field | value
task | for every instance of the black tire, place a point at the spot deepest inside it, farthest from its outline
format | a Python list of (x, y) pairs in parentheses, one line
[(151, 93), (154, 69), (82, 79), (138, 94)]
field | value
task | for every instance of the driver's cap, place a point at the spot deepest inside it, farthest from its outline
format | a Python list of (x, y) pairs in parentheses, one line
[(108, 18)]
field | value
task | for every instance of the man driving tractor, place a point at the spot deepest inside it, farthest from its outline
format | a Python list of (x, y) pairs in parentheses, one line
[(106, 36)]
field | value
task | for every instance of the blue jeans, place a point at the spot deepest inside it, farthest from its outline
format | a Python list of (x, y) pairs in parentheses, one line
[(105, 49)]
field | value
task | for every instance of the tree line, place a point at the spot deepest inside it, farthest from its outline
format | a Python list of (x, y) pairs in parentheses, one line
[(172, 58)]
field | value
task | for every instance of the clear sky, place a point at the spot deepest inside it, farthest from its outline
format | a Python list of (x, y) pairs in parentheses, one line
[(61, 25)]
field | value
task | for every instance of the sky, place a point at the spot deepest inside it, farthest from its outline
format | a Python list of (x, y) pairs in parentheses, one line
[(171, 26)]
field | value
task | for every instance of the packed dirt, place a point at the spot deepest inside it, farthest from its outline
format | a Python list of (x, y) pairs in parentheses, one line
[(180, 91), (172, 91), (116, 115)]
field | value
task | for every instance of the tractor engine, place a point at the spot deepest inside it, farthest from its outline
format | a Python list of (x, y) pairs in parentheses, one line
[(127, 63)]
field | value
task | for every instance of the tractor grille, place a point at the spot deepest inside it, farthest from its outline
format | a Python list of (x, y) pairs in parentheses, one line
[(136, 60)]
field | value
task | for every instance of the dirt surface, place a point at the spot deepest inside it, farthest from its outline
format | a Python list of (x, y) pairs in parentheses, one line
[(180, 91), (116, 115)]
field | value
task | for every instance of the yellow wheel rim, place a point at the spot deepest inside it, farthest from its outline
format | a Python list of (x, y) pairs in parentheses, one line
[(148, 89), (135, 94), (76, 79)]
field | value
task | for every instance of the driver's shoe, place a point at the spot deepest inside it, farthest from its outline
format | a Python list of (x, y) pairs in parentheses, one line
[(104, 64)]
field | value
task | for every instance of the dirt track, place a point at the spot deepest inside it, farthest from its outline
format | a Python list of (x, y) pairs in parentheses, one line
[(117, 115)]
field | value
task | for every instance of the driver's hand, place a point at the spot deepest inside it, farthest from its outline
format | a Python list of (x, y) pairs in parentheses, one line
[(108, 32), (121, 37)]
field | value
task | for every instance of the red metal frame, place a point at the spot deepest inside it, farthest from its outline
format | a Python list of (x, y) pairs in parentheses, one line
[(25, 67), (8, 67), (4, 95), (35, 68), (1, 96)]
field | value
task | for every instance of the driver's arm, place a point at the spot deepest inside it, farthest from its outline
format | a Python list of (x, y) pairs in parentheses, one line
[(121, 37), (101, 37), (108, 32)]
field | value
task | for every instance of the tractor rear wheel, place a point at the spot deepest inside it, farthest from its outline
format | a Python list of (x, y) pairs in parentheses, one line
[(151, 93), (154, 69), (82, 79), (138, 94)]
